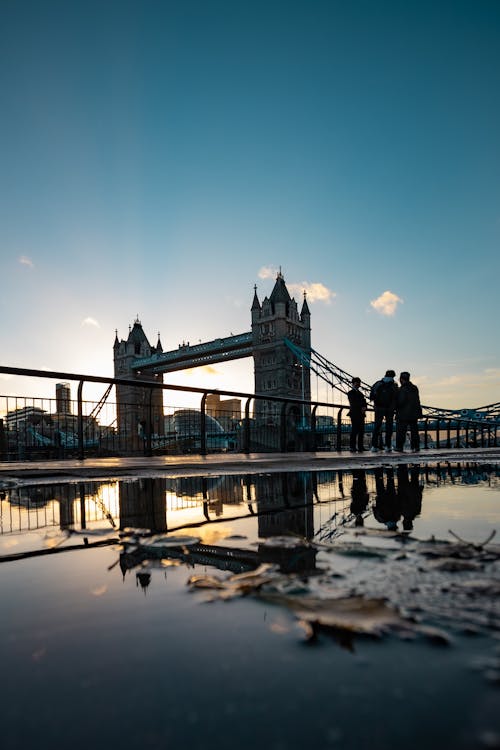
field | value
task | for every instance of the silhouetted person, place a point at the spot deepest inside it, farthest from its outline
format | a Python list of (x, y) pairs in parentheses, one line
[(387, 508), (408, 412), (410, 494), (357, 411), (384, 396), (359, 495)]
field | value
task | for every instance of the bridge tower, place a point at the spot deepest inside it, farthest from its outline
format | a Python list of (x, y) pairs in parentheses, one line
[(277, 371), (134, 408)]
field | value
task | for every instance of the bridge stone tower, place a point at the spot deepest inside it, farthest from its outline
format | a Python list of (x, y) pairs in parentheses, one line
[(135, 410), (277, 371)]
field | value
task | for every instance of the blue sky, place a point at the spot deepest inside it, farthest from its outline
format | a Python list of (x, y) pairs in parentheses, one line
[(161, 158)]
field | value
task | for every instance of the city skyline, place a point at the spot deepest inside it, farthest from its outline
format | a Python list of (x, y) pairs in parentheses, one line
[(162, 161)]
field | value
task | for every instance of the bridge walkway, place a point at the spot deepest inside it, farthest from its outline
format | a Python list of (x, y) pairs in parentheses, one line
[(254, 463)]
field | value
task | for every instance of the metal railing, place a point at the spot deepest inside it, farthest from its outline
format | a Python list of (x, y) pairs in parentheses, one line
[(36, 428)]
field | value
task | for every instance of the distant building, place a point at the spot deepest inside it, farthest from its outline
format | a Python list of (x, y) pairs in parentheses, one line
[(63, 398), (227, 412), (18, 419)]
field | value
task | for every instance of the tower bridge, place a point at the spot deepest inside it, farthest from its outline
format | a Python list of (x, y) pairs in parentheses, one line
[(279, 342)]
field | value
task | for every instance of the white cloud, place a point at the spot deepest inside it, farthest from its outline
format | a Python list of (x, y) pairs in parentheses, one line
[(25, 261), (387, 303), (316, 291), (268, 272), (90, 322)]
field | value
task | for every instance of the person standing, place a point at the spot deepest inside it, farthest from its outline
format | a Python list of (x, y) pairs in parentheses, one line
[(357, 411), (408, 412), (384, 395)]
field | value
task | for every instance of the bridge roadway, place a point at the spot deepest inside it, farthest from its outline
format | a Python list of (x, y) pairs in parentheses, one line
[(38, 472)]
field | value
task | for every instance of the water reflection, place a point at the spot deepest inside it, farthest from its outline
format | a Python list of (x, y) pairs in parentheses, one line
[(309, 505)]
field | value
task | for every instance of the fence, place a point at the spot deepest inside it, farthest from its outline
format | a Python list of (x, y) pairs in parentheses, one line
[(135, 418)]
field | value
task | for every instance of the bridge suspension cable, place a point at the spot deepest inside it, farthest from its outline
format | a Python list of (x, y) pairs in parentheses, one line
[(338, 378)]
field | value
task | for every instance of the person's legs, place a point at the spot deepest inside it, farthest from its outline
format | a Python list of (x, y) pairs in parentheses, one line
[(389, 427), (379, 416), (414, 435), (361, 435), (401, 428), (354, 432)]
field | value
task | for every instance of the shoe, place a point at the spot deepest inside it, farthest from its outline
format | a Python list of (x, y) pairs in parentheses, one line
[(387, 449), (415, 450), (373, 449)]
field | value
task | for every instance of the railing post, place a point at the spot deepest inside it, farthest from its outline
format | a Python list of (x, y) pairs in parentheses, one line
[(81, 449), (466, 435), (313, 427), (203, 425), (246, 428), (448, 434), (426, 433), (148, 450), (283, 434), (437, 433), (339, 429)]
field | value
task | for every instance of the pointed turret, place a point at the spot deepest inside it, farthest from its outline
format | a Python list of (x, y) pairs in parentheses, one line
[(159, 347), (116, 342), (305, 307), (255, 303), (280, 292)]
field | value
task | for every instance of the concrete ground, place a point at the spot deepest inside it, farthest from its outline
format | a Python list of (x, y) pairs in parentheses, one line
[(229, 463)]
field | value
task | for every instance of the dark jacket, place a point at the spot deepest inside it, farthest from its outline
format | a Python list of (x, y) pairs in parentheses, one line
[(384, 394), (408, 404), (357, 402)]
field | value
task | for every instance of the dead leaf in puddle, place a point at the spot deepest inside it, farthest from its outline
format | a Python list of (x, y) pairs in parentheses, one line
[(206, 582), (239, 584), (250, 575), (356, 614), (99, 590), (166, 563)]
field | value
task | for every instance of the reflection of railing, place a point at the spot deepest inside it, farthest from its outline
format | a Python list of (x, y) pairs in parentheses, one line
[(294, 425)]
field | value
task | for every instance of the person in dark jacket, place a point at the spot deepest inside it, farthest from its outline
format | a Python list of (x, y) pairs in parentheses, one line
[(357, 403), (408, 412), (384, 394)]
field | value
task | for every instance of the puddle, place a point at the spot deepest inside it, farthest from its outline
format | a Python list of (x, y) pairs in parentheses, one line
[(210, 611)]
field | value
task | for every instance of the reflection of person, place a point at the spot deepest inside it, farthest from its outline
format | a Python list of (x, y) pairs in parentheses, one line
[(357, 410), (387, 508), (408, 412), (359, 495), (410, 494), (384, 395)]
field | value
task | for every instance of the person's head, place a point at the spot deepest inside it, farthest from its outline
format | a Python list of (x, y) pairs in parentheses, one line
[(404, 377), (356, 382), (390, 374)]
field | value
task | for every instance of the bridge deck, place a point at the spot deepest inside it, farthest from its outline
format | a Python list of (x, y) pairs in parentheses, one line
[(195, 465)]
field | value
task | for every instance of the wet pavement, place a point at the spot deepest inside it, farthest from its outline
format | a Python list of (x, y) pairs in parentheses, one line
[(238, 463)]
